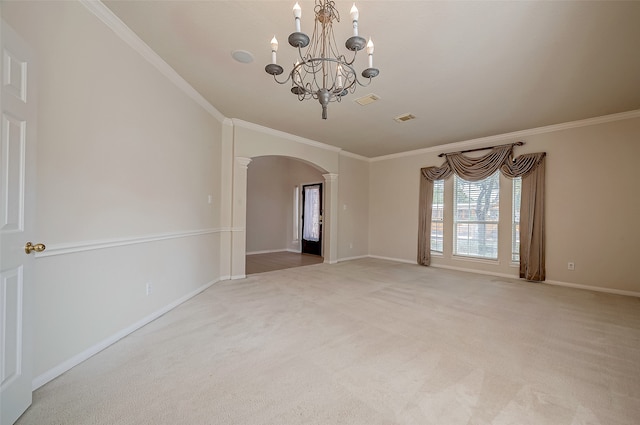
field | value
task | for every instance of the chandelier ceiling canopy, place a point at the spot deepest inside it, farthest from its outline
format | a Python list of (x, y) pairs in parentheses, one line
[(322, 72)]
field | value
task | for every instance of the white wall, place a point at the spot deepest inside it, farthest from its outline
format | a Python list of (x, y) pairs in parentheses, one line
[(123, 156), (353, 207), (592, 207), (252, 141)]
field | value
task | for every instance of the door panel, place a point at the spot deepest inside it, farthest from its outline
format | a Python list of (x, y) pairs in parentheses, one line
[(17, 162), (312, 219)]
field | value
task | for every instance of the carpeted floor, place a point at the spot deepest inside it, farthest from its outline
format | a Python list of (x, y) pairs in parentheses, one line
[(366, 342)]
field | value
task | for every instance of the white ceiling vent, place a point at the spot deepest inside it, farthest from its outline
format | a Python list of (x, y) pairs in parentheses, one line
[(404, 117), (368, 99)]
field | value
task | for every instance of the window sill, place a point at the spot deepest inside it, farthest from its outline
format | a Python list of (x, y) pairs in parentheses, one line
[(476, 260)]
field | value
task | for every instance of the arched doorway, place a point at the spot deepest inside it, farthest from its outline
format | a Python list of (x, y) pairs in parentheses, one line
[(281, 232), (249, 141)]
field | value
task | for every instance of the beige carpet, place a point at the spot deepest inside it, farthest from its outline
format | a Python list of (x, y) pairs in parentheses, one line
[(366, 342)]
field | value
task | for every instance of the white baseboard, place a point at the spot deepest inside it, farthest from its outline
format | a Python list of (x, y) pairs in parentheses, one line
[(359, 257), (550, 282), (240, 276), (266, 251), (397, 260), (594, 288), (95, 349), (271, 251), (462, 269)]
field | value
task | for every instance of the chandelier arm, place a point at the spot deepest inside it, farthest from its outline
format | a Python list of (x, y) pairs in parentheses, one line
[(302, 58), (368, 74), (365, 84), (353, 58), (275, 78)]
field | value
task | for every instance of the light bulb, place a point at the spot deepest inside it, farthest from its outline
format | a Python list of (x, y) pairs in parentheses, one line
[(354, 12), (370, 47), (297, 13), (370, 52), (274, 49), (354, 19)]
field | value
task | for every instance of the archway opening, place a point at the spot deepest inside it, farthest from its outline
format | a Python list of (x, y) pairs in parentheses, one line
[(278, 229)]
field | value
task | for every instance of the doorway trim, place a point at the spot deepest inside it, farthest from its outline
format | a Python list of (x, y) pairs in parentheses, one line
[(239, 217), (308, 246)]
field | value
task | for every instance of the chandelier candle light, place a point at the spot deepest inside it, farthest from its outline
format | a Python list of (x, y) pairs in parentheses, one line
[(322, 72)]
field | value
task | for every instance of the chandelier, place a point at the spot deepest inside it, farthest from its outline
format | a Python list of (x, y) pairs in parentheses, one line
[(322, 72)]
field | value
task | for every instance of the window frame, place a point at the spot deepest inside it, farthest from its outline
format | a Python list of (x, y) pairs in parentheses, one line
[(493, 220), (296, 214), (437, 220), (516, 201)]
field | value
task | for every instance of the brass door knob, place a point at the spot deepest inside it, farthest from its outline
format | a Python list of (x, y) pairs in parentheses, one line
[(29, 247)]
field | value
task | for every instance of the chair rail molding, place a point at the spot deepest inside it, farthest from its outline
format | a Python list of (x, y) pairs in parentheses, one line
[(75, 247)]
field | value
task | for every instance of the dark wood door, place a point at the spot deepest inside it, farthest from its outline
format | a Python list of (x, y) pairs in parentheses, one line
[(312, 219)]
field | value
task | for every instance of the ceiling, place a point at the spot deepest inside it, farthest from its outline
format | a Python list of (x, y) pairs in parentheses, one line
[(466, 70)]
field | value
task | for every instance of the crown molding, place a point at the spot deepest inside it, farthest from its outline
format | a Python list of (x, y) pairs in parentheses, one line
[(355, 156), (458, 146), (104, 14), (267, 130)]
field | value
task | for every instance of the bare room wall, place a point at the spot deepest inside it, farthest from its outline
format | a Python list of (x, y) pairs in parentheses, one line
[(353, 207)]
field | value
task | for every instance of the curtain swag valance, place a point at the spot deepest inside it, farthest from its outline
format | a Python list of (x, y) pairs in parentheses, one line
[(530, 167)]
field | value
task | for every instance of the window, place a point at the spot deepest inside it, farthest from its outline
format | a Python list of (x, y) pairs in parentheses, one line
[(475, 217), (437, 216), (296, 213), (311, 222), (515, 220)]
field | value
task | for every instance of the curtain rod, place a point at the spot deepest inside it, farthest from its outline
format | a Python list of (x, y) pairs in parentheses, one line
[(482, 149)]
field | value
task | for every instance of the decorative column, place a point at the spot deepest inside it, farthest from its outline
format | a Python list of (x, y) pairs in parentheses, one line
[(239, 218), (330, 218)]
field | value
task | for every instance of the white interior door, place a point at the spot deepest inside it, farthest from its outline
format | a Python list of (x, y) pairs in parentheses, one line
[(17, 169)]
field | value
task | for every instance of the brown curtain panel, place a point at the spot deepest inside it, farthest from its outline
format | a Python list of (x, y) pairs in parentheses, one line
[(530, 167), (532, 240), (424, 221), (427, 177)]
